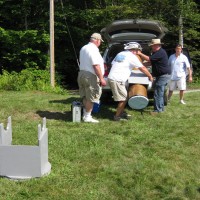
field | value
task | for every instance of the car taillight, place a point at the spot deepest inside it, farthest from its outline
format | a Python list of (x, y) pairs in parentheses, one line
[(106, 70)]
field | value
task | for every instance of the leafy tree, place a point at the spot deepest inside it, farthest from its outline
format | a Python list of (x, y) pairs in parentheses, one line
[(23, 49), (24, 41)]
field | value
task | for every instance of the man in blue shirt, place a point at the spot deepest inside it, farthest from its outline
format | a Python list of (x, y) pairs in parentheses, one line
[(161, 72)]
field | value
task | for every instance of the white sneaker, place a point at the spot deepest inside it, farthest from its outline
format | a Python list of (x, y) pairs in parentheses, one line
[(182, 102), (90, 119)]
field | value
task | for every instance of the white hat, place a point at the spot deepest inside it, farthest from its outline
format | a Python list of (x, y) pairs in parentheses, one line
[(155, 41), (96, 36), (132, 45)]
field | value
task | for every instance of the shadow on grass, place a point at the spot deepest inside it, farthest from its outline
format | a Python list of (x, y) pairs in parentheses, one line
[(66, 116), (65, 101), (105, 111)]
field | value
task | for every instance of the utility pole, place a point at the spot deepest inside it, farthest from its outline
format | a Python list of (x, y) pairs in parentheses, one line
[(180, 23), (181, 30), (52, 57)]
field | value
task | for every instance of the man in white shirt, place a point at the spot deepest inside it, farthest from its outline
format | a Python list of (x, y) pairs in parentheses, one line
[(179, 64), (90, 77), (122, 66)]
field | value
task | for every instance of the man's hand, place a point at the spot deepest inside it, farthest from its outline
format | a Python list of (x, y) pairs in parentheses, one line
[(145, 71), (151, 78), (98, 72), (190, 79), (103, 82)]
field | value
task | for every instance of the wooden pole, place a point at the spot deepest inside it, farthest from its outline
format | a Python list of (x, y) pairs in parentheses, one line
[(180, 23), (52, 59), (181, 30)]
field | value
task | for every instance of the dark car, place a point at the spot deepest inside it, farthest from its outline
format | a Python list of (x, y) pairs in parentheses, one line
[(123, 31)]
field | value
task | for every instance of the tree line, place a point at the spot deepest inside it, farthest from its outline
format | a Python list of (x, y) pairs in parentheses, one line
[(24, 30)]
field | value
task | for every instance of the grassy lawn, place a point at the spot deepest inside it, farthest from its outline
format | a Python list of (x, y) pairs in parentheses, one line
[(146, 158)]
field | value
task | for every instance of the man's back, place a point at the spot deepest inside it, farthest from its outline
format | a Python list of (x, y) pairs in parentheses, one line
[(159, 61)]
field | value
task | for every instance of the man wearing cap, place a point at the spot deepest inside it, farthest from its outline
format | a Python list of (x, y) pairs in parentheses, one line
[(90, 77), (122, 66), (160, 70)]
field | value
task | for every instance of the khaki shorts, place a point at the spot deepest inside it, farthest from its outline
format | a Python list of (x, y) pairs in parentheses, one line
[(179, 84), (89, 86), (119, 90)]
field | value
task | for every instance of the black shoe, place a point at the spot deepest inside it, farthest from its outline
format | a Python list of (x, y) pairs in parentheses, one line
[(125, 115), (119, 118)]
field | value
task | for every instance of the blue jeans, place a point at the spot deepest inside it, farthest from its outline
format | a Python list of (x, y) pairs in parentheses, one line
[(159, 91)]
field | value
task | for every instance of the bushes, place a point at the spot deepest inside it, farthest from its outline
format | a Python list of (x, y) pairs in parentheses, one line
[(28, 79), (23, 49)]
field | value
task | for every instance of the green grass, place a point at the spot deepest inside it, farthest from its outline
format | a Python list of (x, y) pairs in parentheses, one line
[(146, 158)]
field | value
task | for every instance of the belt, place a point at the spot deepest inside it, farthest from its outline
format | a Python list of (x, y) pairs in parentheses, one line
[(163, 75)]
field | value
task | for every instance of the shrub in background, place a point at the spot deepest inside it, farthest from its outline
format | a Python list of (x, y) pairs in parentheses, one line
[(28, 79), (20, 50)]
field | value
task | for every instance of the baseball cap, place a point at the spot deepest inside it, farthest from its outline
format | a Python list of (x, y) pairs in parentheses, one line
[(96, 36)]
